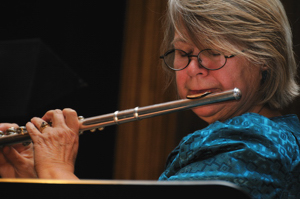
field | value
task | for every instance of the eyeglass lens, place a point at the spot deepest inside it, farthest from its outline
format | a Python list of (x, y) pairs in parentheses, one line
[(208, 58)]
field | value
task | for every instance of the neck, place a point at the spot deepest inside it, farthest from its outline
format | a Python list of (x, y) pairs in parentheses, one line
[(259, 109), (265, 111)]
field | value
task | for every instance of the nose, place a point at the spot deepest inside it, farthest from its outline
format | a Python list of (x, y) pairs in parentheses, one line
[(195, 68)]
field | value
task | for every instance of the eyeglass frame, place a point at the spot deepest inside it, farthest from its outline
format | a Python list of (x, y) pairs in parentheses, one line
[(197, 56)]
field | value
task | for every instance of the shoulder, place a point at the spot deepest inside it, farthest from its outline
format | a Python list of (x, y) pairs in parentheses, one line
[(247, 138), (248, 130), (248, 126), (249, 150)]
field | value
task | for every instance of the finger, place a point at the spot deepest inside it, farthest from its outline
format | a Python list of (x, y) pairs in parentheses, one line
[(12, 156), (2, 157), (21, 147), (71, 119), (40, 124), (5, 126), (55, 116), (33, 132)]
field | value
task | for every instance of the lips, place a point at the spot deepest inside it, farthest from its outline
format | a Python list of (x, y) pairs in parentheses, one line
[(211, 90)]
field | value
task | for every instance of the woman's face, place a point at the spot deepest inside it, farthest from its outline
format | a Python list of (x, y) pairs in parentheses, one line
[(237, 73)]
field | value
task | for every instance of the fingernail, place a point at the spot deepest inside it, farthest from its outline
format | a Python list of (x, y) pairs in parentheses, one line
[(29, 124)]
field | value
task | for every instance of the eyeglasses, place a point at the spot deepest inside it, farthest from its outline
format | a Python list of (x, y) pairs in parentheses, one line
[(210, 59)]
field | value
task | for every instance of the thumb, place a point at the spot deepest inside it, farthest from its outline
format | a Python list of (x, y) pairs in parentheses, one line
[(12, 156)]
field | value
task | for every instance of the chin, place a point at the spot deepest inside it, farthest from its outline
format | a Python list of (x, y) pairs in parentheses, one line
[(208, 113)]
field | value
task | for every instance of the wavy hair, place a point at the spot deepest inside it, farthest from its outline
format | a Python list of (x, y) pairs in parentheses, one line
[(260, 26)]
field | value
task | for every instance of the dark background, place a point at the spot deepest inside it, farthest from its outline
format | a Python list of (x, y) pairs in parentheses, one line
[(87, 38)]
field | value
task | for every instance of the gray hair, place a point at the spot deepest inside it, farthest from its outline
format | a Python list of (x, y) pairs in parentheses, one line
[(259, 26)]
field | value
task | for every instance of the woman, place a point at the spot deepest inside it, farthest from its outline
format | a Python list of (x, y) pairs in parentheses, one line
[(216, 45), (212, 45)]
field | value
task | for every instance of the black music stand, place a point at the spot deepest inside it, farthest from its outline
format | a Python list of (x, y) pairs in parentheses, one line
[(102, 189)]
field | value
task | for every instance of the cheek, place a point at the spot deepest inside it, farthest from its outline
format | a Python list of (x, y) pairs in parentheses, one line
[(240, 75), (249, 81)]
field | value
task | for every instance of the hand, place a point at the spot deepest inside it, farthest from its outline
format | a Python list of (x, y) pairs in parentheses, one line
[(16, 161), (55, 147)]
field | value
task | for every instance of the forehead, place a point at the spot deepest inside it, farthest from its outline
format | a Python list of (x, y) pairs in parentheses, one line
[(180, 39)]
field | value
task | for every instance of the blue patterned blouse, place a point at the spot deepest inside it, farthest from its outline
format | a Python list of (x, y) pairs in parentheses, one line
[(259, 154)]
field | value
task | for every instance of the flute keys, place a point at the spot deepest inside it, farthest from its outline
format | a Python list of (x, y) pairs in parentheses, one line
[(11, 131), (14, 131), (93, 130), (99, 129), (22, 130)]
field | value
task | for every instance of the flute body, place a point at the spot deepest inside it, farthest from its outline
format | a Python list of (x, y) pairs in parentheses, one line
[(12, 136)]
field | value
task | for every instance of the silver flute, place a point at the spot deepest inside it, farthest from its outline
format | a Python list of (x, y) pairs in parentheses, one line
[(20, 135)]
